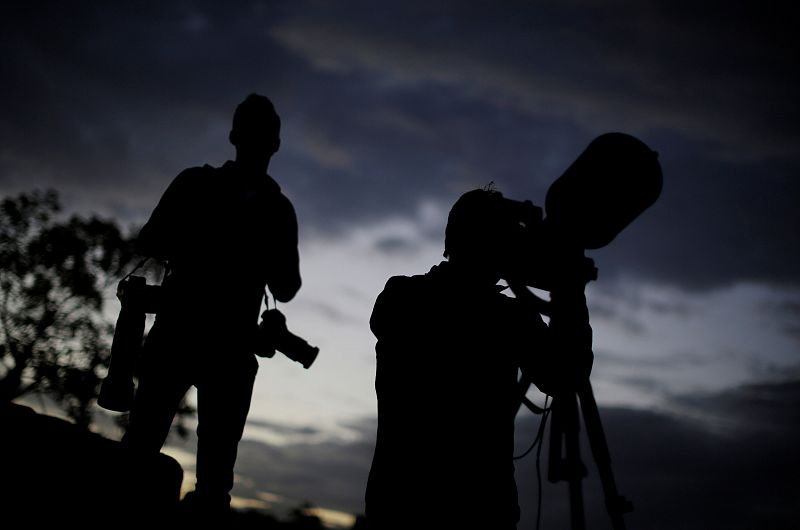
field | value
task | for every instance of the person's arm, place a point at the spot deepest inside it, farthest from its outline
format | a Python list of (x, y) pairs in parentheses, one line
[(397, 335), (556, 357), (389, 308), (284, 280), (570, 338)]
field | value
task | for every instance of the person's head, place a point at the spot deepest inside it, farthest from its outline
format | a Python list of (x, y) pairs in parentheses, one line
[(477, 231), (256, 127)]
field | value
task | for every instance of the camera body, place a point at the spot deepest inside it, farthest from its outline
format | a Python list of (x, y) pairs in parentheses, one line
[(538, 254), (273, 335)]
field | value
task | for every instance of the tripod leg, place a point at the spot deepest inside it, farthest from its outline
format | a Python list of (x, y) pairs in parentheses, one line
[(565, 429), (555, 460), (616, 504)]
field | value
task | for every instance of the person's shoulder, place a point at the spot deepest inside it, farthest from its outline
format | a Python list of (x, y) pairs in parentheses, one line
[(402, 291), (282, 200), (281, 208), (193, 175), (272, 191), (399, 285), (397, 288), (394, 303), (204, 170)]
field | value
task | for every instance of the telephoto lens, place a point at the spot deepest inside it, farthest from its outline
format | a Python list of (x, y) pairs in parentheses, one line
[(117, 390)]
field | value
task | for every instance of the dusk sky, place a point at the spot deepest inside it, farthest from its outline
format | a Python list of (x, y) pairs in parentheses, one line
[(389, 112)]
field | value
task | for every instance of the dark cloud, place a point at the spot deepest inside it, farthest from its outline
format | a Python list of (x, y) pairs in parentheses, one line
[(786, 312), (331, 312), (674, 359), (401, 245), (716, 223), (331, 475), (732, 466), (282, 429), (725, 460), (383, 108), (108, 102), (608, 312), (638, 58)]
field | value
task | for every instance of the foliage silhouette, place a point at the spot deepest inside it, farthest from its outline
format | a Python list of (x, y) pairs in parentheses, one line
[(55, 280), (52, 282)]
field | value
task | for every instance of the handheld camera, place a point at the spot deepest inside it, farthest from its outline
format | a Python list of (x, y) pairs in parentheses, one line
[(273, 335)]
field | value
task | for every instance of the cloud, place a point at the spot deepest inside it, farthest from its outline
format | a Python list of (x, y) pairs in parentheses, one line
[(727, 212), (108, 103), (541, 63), (653, 343), (685, 471), (325, 152), (727, 460), (383, 110), (283, 429)]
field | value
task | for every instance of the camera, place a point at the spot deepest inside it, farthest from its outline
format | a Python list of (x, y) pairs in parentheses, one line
[(273, 335), (614, 180), (537, 254), (137, 300)]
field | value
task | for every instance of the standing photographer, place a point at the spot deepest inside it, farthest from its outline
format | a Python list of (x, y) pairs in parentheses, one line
[(449, 347), (225, 234)]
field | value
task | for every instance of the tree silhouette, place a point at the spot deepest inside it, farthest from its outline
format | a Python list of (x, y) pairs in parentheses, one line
[(55, 278)]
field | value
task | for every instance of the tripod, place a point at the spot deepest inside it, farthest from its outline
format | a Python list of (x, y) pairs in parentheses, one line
[(564, 461), (611, 183)]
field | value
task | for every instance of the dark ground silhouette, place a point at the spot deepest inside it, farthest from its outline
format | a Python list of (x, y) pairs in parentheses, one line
[(56, 473)]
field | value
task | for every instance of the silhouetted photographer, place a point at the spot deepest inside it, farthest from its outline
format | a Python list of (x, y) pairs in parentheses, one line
[(225, 234), (450, 344)]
